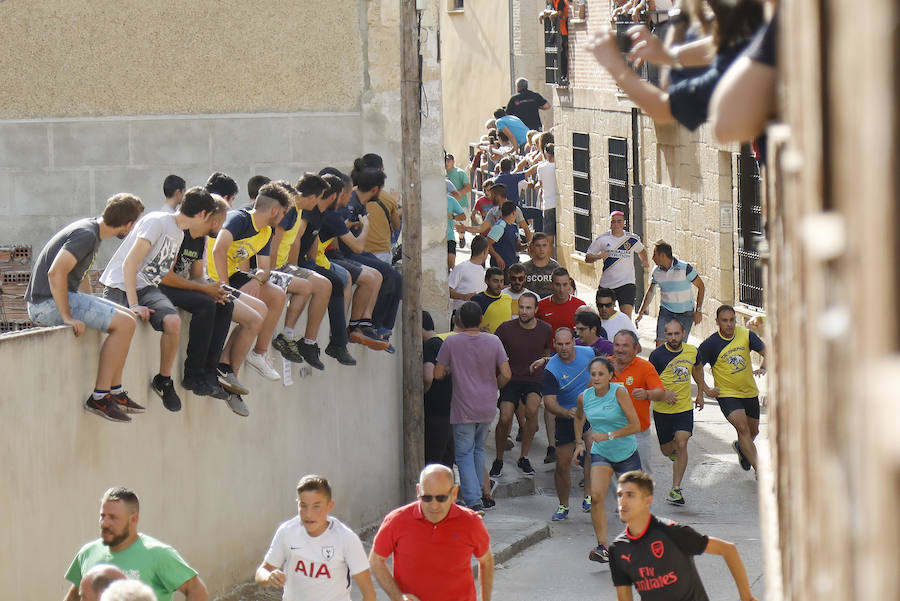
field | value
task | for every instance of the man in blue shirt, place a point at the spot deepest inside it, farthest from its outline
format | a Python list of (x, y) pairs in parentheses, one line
[(512, 127), (674, 279), (510, 180)]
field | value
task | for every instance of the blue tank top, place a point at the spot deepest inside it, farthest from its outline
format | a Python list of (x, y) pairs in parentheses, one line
[(605, 415)]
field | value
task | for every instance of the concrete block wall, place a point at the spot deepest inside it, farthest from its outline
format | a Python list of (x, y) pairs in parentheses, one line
[(212, 484), (53, 171)]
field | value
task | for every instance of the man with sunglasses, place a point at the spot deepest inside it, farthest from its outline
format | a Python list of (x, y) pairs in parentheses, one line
[(516, 275), (611, 320), (433, 541)]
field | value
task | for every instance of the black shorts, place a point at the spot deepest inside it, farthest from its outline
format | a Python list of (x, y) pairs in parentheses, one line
[(353, 268), (729, 403), (516, 390), (565, 430), (625, 294), (239, 279), (667, 424), (451, 247)]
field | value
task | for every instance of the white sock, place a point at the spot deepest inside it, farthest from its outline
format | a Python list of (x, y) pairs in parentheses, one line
[(308, 341), (288, 333)]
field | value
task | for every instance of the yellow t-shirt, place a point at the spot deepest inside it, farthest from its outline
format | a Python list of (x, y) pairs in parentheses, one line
[(674, 369)]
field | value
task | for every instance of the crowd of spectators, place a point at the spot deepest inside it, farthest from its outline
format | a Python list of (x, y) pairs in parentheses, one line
[(322, 245)]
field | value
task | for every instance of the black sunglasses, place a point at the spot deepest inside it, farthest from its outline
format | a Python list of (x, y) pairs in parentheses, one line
[(438, 498), (605, 304)]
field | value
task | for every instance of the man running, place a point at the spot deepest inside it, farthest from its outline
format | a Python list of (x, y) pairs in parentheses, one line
[(313, 555), (541, 266), (674, 279), (516, 275), (496, 307), (566, 375), (589, 331), (728, 352), (616, 248), (525, 339), (611, 320), (655, 555), (675, 362)]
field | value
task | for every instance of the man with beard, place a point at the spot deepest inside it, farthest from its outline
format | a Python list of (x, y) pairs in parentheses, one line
[(539, 269), (516, 275), (141, 557), (525, 340), (53, 299), (495, 306)]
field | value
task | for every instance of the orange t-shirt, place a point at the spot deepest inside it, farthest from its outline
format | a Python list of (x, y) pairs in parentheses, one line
[(640, 373)]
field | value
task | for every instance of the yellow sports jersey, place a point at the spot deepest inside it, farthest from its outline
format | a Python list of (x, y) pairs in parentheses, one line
[(674, 369), (495, 309), (290, 234), (730, 361), (249, 240), (321, 259)]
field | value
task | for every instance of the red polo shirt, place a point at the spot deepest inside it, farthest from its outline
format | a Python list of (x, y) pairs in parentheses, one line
[(640, 373), (433, 561)]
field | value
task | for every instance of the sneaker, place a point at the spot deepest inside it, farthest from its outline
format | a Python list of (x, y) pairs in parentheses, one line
[(745, 465), (478, 508), (462, 242), (586, 504), (390, 349), (229, 381), (165, 388), (519, 435), (340, 353), (509, 444), (198, 385), (367, 337), (496, 468), (126, 404), (562, 512), (310, 353), (107, 408), (551, 455), (488, 502), (236, 404), (675, 497), (287, 348), (525, 465), (261, 364), (599, 553), (492, 484)]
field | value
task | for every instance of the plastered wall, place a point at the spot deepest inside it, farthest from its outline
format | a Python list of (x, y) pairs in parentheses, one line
[(212, 484)]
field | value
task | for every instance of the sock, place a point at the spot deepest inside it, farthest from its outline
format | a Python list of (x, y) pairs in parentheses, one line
[(288, 333), (99, 394), (365, 323), (225, 368), (354, 323), (162, 379), (117, 389), (308, 340)]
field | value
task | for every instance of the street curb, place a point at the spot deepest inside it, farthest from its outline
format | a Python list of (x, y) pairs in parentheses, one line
[(533, 535)]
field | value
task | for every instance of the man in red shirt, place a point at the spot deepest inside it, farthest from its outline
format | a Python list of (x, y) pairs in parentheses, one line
[(559, 308), (643, 384), (433, 541)]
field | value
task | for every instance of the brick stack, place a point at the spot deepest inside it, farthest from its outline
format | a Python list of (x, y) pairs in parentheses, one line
[(15, 272)]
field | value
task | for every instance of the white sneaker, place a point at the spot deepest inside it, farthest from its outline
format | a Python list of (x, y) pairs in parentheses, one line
[(261, 364)]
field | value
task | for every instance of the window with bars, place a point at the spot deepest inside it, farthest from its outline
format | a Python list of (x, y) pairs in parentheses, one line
[(618, 178), (551, 52), (750, 274), (581, 187)]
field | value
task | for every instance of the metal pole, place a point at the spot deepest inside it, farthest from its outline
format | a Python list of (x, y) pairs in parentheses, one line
[(413, 408)]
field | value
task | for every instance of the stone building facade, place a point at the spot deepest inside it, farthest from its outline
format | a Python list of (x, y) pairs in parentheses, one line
[(672, 184)]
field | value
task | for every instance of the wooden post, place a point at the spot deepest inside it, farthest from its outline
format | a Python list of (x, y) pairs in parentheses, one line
[(410, 122)]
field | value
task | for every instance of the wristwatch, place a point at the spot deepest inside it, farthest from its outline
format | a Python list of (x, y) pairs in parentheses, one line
[(611, 435)]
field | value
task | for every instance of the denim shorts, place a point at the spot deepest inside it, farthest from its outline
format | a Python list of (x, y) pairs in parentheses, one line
[(619, 467), (96, 313), (686, 320)]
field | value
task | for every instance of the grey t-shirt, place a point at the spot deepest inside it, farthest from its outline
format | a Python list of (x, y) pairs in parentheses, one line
[(538, 278), (493, 216), (165, 239), (82, 239)]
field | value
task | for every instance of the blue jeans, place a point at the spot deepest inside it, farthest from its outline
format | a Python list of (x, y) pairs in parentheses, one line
[(385, 313), (468, 440)]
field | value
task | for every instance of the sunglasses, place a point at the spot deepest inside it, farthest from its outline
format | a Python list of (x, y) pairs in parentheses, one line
[(438, 498), (605, 304), (513, 278)]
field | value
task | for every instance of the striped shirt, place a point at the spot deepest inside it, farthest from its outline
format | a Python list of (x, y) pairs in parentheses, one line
[(675, 286)]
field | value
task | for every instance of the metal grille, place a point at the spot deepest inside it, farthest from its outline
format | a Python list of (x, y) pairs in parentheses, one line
[(581, 188), (618, 178), (750, 275), (551, 52)]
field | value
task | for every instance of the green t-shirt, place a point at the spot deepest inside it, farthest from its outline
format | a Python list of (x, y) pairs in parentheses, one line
[(453, 208), (154, 563)]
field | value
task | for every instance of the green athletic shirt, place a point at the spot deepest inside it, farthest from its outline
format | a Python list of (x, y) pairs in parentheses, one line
[(154, 563)]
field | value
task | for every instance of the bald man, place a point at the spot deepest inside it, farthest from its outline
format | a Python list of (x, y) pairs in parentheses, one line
[(433, 541), (95, 580)]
